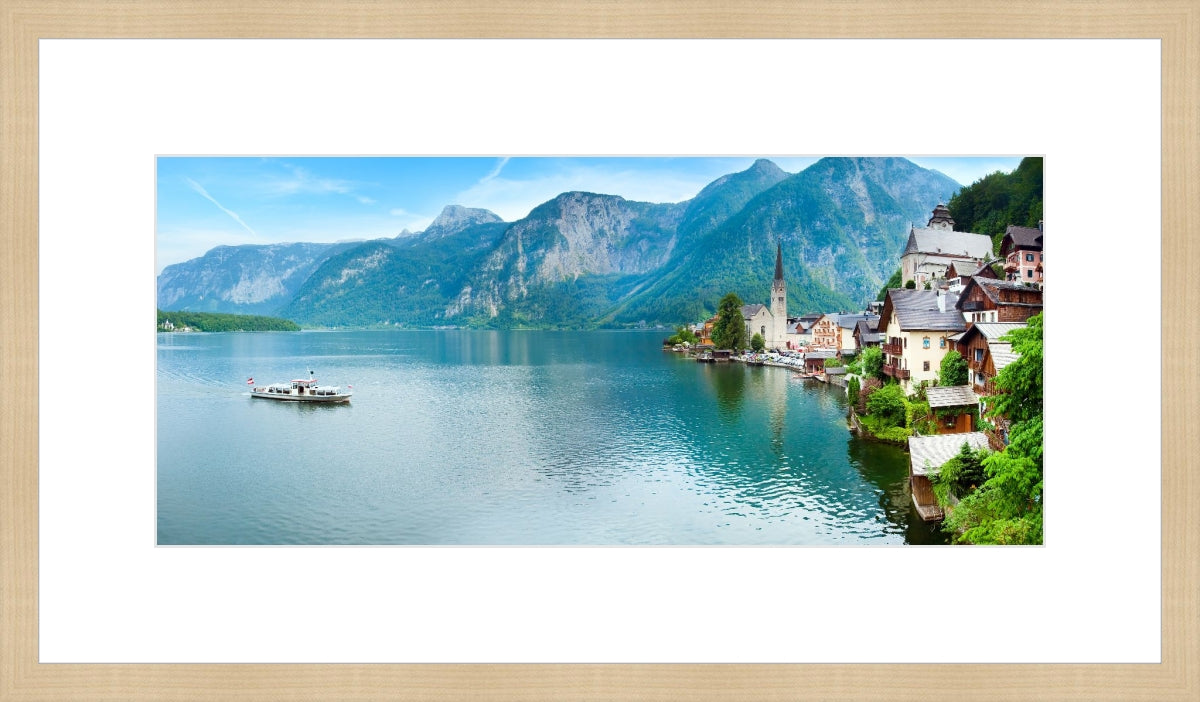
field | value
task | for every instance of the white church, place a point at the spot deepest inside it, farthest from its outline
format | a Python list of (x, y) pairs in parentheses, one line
[(770, 321)]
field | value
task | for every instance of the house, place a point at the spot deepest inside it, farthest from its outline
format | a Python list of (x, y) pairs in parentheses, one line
[(1021, 249), (814, 361), (917, 326), (954, 407), (927, 455), (932, 249), (826, 333), (799, 332), (990, 300), (847, 323), (960, 273), (704, 333), (986, 354), (866, 333)]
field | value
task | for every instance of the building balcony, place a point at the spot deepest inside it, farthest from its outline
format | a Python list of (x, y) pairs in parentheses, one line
[(897, 373), (893, 349), (973, 306)]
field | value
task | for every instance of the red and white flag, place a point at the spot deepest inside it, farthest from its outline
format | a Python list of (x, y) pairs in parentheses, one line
[(250, 381)]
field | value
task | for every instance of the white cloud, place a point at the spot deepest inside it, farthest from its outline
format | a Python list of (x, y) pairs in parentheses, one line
[(363, 199), (495, 171), (200, 189)]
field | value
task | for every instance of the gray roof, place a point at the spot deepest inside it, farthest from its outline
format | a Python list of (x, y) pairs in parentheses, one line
[(1023, 237), (1002, 355), (838, 370), (951, 396), (927, 454), (991, 285), (820, 354), (994, 330), (918, 310), (849, 321), (948, 243), (749, 311)]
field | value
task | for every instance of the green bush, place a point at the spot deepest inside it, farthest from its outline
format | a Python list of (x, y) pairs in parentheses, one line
[(889, 406)]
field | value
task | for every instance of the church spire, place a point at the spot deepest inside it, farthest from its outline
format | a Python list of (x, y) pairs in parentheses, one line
[(779, 262)]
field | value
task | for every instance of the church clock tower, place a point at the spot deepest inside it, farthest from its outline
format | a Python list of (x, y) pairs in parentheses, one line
[(778, 304)]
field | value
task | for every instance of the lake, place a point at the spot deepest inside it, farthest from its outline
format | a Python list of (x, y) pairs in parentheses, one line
[(457, 437)]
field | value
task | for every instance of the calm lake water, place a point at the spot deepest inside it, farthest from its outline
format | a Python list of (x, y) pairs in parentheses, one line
[(519, 438)]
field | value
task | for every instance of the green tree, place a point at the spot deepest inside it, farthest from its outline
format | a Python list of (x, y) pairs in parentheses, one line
[(961, 474), (872, 362), (757, 342), (729, 331), (852, 388), (911, 285), (893, 282), (1007, 508), (954, 369), (888, 405)]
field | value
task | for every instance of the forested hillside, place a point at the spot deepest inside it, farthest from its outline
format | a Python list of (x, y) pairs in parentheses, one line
[(995, 201)]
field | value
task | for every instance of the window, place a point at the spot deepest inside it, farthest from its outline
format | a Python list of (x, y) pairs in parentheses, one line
[(1029, 257), (1028, 273), (942, 343), (926, 365), (925, 343), (979, 355)]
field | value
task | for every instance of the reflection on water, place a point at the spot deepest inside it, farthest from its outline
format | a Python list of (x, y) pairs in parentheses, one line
[(490, 437)]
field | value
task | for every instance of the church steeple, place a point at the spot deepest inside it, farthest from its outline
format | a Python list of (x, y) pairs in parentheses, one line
[(778, 334)]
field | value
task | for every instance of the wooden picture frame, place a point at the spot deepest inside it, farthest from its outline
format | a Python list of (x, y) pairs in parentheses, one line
[(23, 22)]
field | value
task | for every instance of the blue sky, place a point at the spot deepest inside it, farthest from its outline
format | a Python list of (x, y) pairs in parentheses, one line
[(205, 202)]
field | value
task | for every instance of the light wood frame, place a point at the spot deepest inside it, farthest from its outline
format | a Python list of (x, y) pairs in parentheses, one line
[(23, 22)]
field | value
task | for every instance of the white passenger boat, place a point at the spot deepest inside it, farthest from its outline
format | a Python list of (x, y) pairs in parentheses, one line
[(301, 391)]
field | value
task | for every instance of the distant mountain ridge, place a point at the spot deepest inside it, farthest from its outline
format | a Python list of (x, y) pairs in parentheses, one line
[(585, 259)]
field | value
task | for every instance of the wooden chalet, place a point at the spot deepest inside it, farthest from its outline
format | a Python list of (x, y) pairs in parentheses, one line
[(986, 354), (1022, 252), (955, 403), (990, 300), (927, 455)]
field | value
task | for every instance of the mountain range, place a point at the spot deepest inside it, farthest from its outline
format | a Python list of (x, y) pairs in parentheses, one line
[(584, 260)]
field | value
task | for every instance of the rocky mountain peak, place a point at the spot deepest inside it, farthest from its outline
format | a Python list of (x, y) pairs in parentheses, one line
[(455, 218)]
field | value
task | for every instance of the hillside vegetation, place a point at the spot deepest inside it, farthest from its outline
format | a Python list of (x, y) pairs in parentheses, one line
[(220, 322), (995, 201)]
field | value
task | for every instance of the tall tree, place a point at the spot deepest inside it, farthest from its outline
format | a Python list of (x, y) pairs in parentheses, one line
[(729, 331)]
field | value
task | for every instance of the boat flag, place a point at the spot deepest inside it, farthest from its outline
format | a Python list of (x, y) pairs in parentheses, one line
[(250, 381)]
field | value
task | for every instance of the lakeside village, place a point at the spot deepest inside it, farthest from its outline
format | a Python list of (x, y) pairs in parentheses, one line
[(925, 368)]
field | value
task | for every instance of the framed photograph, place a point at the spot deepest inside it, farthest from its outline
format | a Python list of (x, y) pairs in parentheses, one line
[(209, 515)]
